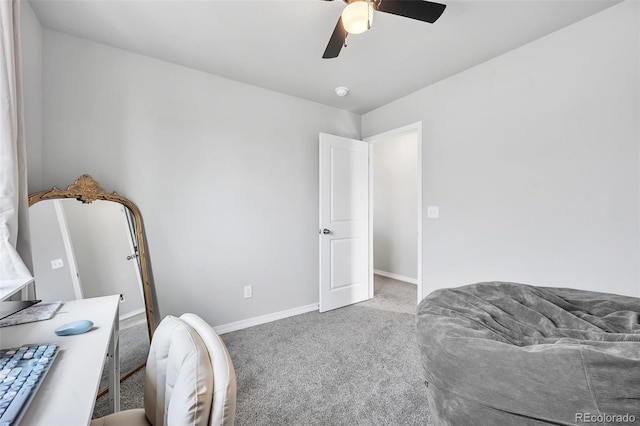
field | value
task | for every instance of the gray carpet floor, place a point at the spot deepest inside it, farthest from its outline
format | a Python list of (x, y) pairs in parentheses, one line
[(134, 348), (356, 365)]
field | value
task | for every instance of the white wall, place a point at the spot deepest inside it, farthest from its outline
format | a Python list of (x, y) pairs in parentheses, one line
[(395, 206), (225, 174), (533, 159), (31, 39)]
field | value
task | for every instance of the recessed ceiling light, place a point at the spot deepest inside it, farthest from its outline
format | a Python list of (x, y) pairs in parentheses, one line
[(342, 91)]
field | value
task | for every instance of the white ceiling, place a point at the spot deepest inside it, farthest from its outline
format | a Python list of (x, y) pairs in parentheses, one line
[(278, 45)]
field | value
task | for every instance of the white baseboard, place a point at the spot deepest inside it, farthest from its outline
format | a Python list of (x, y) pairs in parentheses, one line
[(396, 276), (263, 319), (133, 314), (133, 318)]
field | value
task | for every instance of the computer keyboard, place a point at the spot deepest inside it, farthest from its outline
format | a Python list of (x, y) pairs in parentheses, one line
[(22, 370)]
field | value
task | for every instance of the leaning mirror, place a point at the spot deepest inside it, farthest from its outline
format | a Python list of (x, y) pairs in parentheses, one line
[(89, 243)]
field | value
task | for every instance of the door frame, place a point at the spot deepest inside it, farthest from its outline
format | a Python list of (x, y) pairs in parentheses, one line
[(414, 128), (61, 217)]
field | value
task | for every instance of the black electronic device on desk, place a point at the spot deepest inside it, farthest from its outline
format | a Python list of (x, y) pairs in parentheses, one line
[(33, 311), (10, 307)]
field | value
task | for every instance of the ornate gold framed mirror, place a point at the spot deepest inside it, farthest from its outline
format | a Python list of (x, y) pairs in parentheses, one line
[(87, 242)]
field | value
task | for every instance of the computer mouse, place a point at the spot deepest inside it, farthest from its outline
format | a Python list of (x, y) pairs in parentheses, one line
[(75, 327)]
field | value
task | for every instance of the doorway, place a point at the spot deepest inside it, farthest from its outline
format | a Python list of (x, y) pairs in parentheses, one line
[(396, 205)]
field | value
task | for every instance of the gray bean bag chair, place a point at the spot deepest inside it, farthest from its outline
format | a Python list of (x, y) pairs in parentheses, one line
[(512, 354)]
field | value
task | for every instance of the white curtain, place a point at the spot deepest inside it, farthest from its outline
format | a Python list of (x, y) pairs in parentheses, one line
[(14, 230)]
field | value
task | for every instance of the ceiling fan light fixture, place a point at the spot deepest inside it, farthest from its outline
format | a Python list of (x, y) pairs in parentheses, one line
[(357, 16)]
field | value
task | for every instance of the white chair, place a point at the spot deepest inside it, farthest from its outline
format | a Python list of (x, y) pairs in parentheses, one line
[(189, 379)]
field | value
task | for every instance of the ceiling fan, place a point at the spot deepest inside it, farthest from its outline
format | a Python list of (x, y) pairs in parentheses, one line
[(357, 17)]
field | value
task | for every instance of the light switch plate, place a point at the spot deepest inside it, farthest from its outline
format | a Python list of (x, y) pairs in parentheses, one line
[(433, 212), (57, 264)]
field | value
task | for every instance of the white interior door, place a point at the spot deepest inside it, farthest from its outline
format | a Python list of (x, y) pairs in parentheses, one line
[(102, 244), (133, 258), (344, 222)]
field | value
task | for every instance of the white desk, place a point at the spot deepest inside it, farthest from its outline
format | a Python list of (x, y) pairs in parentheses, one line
[(68, 393), (10, 287)]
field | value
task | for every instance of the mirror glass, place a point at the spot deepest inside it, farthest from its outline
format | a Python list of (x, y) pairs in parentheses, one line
[(89, 243)]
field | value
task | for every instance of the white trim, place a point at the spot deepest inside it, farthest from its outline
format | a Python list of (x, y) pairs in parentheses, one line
[(419, 282), (132, 314), (417, 129), (68, 248), (263, 319), (396, 276), (370, 198)]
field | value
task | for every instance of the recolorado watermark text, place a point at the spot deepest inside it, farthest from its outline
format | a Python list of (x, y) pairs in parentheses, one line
[(605, 418)]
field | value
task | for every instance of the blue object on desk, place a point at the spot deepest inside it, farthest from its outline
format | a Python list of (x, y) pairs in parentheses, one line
[(21, 373), (75, 327)]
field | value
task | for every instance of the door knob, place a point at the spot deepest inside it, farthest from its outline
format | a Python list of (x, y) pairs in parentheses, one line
[(325, 231)]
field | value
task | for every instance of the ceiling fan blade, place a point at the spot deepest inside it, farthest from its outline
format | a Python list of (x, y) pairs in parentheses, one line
[(336, 41), (415, 9)]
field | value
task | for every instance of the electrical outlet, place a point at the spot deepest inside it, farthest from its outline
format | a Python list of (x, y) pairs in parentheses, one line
[(57, 264), (121, 297), (248, 291)]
